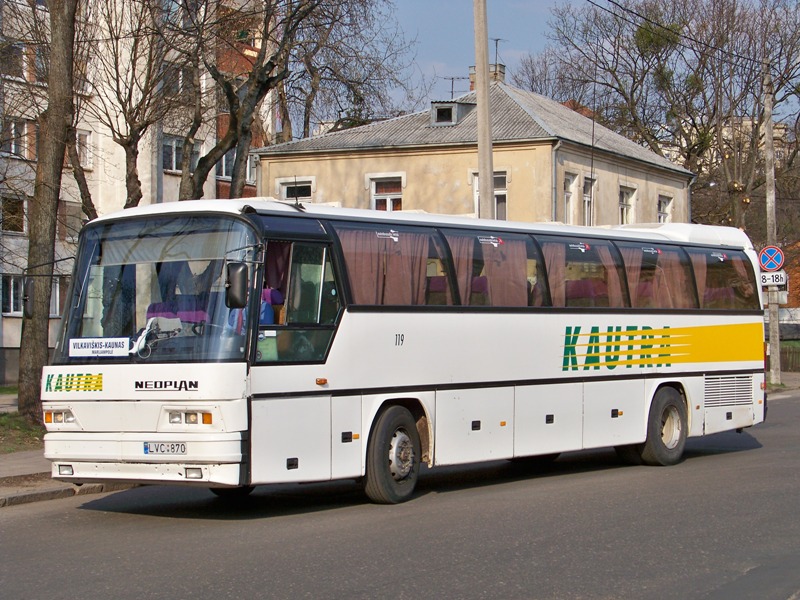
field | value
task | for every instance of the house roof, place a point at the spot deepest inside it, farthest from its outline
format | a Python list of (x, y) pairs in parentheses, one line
[(517, 115)]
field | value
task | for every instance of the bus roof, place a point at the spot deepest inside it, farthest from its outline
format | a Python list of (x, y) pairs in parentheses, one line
[(678, 232)]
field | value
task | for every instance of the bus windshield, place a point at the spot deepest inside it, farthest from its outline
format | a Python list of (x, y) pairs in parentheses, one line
[(154, 290)]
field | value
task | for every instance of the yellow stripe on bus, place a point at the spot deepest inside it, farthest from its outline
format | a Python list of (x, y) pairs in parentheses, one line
[(626, 347)]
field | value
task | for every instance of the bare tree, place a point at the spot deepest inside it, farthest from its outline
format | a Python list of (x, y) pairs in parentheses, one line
[(349, 60), (546, 73), (339, 56), (54, 125), (132, 83), (683, 77)]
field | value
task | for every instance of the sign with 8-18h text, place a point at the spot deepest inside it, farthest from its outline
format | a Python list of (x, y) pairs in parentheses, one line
[(774, 278)]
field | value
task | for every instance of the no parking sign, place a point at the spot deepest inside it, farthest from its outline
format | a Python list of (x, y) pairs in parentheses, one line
[(771, 258)]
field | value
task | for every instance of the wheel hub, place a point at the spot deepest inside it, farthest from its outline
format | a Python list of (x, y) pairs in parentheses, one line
[(670, 427), (401, 455)]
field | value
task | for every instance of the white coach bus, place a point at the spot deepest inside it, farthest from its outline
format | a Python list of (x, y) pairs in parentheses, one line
[(229, 344)]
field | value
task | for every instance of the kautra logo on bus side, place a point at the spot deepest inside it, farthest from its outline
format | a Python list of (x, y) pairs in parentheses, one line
[(614, 346), (74, 382)]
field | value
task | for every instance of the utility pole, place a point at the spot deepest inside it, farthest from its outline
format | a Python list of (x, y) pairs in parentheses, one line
[(485, 167), (772, 231)]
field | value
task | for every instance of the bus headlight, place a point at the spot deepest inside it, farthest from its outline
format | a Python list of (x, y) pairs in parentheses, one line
[(59, 416), (177, 417)]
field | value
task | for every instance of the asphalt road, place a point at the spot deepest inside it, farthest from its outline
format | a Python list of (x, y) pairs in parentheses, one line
[(723, 524)]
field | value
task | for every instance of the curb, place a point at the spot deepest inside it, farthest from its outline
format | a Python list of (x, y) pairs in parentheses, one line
[(62, 492)]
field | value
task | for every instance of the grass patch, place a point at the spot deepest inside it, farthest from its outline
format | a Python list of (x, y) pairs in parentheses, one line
[(9, 389), (17, 434)]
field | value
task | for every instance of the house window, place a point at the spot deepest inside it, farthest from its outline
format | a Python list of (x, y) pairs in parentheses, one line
[(13, 292), (178, 81), (252, 168), (299, 190), (173, 153), (387, 194), (664, 209), (226, 166), (444, 114), (12, 140), (626, 205), (13, 215), (11, 64), (40, 63), (80, 77), (181, 12), (83, 144), (569, 181), (70, 221), (500, 194), (588, 200)]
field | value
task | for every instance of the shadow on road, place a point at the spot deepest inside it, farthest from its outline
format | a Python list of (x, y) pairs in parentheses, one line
[(292, 499)]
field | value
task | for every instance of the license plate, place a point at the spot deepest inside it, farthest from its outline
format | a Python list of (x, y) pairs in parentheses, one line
[(165, 447)]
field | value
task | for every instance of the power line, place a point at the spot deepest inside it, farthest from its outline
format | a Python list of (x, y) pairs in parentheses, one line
[(681, 36)]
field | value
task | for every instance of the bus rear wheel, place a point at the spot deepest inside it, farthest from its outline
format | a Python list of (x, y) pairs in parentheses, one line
[(666, 429), (393, 457), (666, 432)]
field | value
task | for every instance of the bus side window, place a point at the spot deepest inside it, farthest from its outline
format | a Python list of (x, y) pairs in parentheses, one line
[(658, 276), (725, 279), (497, 269), (302, 328), (584, 273)]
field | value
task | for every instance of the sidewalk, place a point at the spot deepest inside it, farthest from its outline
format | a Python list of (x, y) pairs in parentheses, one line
[(25, 476)]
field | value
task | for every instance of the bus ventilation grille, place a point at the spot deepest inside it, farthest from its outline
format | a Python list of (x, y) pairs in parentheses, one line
[(729, 390)]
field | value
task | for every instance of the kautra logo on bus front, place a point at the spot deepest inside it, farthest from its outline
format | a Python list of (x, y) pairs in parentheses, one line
[(615, 346), (74, 382)]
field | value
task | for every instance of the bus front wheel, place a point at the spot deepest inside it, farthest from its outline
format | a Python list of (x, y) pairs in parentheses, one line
[(393, 457)]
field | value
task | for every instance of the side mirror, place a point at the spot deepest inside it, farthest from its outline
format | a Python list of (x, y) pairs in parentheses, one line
[(236, 285), (27, 297)]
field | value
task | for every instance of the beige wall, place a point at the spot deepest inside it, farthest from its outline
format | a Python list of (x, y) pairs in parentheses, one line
[(441, 180), (610, 175)]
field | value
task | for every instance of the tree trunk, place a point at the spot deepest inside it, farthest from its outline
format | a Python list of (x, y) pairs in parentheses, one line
[(133, 186), (239, 174), (55, 124), (80, 178)]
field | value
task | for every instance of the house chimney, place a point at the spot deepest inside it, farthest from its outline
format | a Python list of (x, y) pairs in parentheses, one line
[(496, 73)]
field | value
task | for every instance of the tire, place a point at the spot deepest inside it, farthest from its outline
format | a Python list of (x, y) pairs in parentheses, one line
[(666, 429), (393, 457), (233, 493)]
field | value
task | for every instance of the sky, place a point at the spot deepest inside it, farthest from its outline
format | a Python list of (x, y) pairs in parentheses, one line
[(445, 36)]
